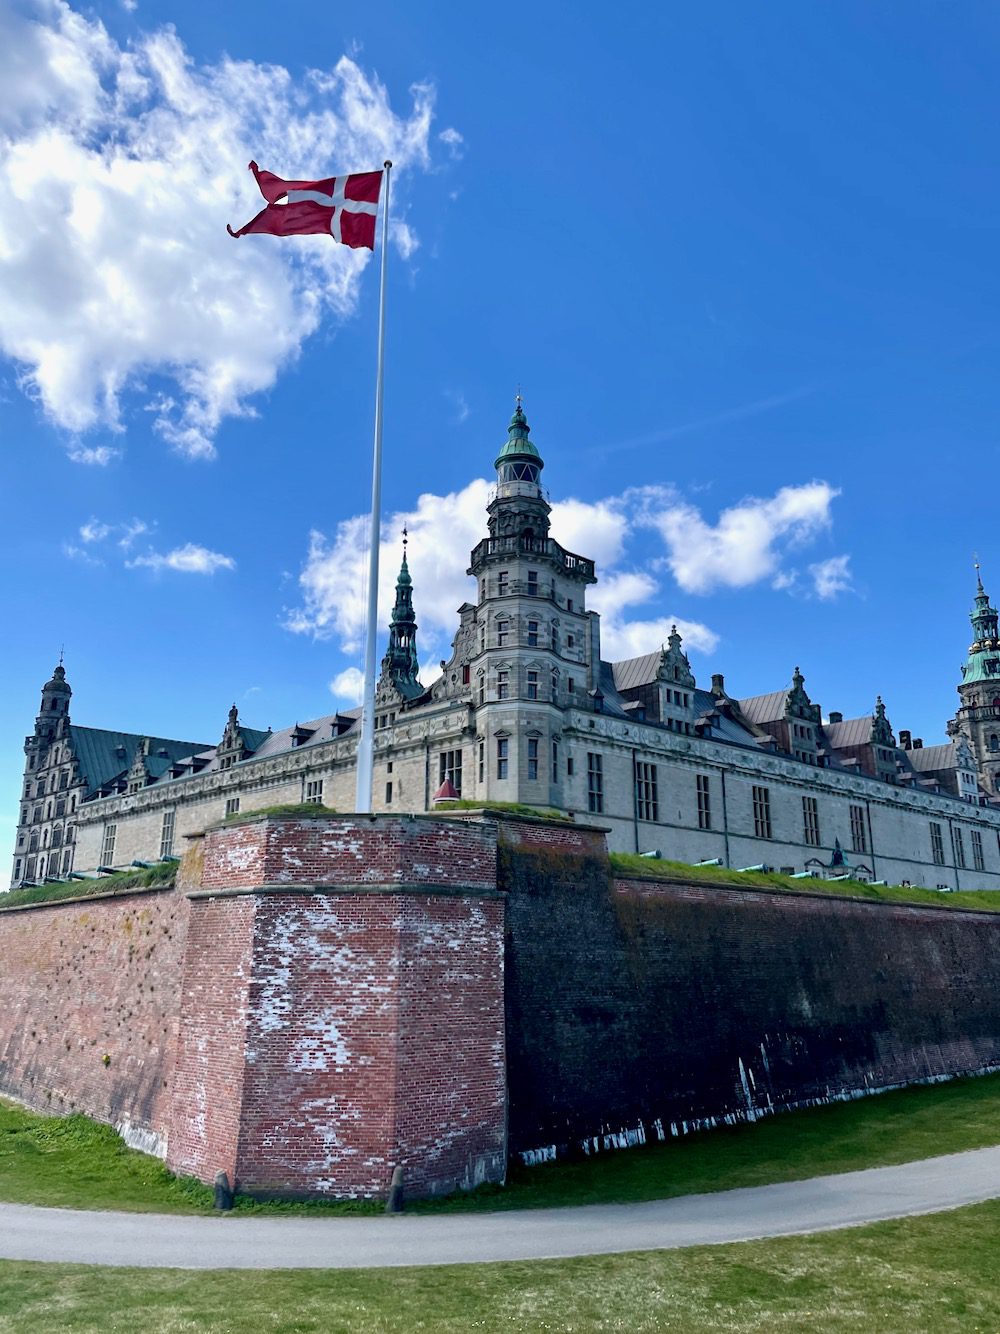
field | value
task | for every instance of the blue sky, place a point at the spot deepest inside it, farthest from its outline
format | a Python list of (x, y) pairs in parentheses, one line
[(741, 259)]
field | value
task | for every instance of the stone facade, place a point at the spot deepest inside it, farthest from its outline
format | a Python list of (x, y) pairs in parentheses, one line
[(527, 711)]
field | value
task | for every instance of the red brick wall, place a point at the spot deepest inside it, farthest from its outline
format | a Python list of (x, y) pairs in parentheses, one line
[(371, 1011), (351, 850), (81, 981), (212, 1001)]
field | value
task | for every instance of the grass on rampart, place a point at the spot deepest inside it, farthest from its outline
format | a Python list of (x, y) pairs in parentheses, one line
[(655, 868), (302, 809), (77, 1163), (503, 807), (162, 875), (935, 1273)]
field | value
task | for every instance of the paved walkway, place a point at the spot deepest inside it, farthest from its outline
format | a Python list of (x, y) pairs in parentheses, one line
[(226, 1241)]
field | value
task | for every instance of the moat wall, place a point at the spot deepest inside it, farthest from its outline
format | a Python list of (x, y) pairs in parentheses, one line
[(640, 1009), (322, 999)]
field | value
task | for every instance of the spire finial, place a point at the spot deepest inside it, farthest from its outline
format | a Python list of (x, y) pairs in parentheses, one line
[(62, 649), (406, 538), (518, 396), (978, 568)]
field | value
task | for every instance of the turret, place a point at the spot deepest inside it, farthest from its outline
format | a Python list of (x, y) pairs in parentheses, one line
[(53, 712), (519, 508), (400, 665), (978, 716)]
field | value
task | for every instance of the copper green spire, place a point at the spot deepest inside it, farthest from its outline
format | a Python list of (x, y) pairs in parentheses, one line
[(400, 661), (518, 460)]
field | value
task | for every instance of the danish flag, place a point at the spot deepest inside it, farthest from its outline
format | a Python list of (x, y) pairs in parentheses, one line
[(343, 207)]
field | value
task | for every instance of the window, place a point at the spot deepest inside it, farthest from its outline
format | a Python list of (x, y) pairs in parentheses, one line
[(503, 685), (859, 829), (482, 590), (167, 835), (108, 845), (647, 805), (482, 688), (569, 766), (503, 582), (63, 780), (937, 844), (532, 583), (555, 639), (67, 861), (233, 805), (17, 868), (810, 821), (314, 791), (595, 783), (482, 761), (503, 634), (532, 634), (569, 604), (762, 812), (388, 766), (503, 745), (978, 860), (570, 685), (388, 794), (958, 843), (69, 833), (450, 769), (532, 685), (29, 869), (482, 638), (570, 641), (704, 802), (466, 673), (994, 741), (532, 759), (555, 761)]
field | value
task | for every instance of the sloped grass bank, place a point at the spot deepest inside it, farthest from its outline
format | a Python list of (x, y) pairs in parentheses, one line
[(160, 876), (932, 1273), (632, 866), (76, 1163)]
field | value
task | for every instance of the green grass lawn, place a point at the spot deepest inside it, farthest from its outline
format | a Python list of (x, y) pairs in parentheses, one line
[(74, 1162), (933, 1274)]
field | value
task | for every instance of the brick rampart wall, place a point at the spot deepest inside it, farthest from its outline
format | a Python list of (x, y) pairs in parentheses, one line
[(358, 963), (638, 1008), (93, 979)]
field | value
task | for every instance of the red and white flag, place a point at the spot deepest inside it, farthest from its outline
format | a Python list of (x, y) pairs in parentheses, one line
[(343, 207)]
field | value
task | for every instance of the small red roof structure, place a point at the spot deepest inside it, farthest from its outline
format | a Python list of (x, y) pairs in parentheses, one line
[(446, 792)]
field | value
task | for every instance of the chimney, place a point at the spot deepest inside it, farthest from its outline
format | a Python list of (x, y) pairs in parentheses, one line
[(918, 744), (905, 740), (836, 717), (718, 684)]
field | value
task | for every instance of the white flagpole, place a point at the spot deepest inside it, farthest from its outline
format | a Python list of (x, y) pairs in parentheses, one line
[(363, 790)]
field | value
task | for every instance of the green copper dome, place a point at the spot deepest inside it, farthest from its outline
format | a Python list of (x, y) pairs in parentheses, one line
[(518, 449)]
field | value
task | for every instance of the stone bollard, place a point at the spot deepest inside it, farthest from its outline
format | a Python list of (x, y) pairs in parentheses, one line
[(223, 1194), (394, 1204)]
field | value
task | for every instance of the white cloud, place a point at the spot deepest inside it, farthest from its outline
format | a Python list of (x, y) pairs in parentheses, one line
[(188, 559), (460, 404), (443, 530), (97, 456), (746, 544), (453, 141), (831, 577), (94, 531), (348, 686), (119, 168), (743, 547)]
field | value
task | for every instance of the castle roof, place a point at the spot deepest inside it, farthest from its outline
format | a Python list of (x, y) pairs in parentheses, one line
[(770, 708), (634, 672), (928, 759), (849, 732), (103, 755)]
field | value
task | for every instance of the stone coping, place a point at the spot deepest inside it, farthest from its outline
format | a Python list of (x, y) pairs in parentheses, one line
[(451, 816), (428, 889), (685, 882), (89, 898)]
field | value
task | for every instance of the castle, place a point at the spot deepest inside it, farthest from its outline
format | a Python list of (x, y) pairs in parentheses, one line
[(527, 711)]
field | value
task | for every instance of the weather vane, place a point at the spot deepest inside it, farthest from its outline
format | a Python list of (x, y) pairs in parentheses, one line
[(406, 538)]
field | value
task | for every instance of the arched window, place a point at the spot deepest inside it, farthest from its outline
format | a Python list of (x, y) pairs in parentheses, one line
[(45, 839), (41, 868)]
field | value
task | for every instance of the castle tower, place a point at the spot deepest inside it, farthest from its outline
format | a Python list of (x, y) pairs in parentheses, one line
[(400, 666), (978, 716), (48, 775), (535, 651)]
